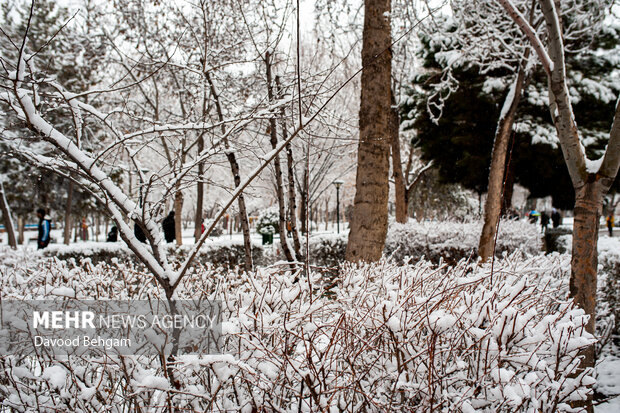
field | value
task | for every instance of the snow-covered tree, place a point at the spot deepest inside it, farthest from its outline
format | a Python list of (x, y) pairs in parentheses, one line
[(68, 49)]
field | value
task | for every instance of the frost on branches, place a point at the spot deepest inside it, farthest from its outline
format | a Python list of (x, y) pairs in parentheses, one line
[(384, 338)]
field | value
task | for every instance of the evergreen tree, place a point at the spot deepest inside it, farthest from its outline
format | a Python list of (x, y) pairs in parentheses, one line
[(461, 140), (65, 48)]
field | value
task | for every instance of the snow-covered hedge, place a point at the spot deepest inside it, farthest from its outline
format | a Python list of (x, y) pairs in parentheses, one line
[(226, 255), (434, 241), (452, 241), (608, 297), (328, 249), (385, 338)]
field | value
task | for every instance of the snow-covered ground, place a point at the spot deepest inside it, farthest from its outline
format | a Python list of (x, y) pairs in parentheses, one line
[(608, 378)]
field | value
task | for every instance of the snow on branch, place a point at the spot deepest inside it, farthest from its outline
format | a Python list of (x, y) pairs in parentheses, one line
[(530, 33)]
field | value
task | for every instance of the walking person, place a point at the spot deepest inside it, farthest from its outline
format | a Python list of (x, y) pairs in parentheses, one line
[(45, 226), (168, 227), (544, 222), (610, 224), (113, 234)]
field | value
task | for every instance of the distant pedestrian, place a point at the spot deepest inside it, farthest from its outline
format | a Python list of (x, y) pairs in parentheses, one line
[(168, 227), (113, 234), (45, 226), (84, 227), (544, 222), (556, 218), (610, 224), (533, 216)]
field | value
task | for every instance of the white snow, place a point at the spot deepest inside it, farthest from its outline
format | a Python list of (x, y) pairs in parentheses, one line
[(593, 166), (56, 376)]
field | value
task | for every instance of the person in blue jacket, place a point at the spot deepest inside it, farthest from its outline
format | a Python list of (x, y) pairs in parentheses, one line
[(43, 239)]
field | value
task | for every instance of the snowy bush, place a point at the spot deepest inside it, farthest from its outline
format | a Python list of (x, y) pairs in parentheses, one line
[(452, 241), (227, 255), (386, 338), (328, 250), (268, 222), (608, 295), (609, 274), (266, 230)]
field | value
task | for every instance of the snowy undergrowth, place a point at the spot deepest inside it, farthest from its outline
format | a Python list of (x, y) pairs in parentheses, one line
[(452, 241), (608, 300), (385, 338), (224, 253), (434, 241)]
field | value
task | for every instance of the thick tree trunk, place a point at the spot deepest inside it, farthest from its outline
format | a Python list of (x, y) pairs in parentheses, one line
[(370, 210), (273, 135), (178, 215), (400, 192), (584, 264), (199, 193), (68, 218), (7, 218), (493, 205)]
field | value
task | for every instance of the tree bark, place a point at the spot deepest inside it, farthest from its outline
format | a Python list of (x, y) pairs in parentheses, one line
[(178, 215), (584, 261), (400, 191), (584, 265), (7, 218), (273, 134), (370, 206), (20, 230), (493, 205), (68, 218)]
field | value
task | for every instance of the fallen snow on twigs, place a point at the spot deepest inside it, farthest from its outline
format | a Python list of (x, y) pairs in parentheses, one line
[(382, 337)]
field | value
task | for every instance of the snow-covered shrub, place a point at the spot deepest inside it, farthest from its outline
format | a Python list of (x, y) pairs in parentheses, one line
[(386, 338), (608, 295), (268, 222), (328, 250), (224, 254), (93, 251), (452, 241)]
